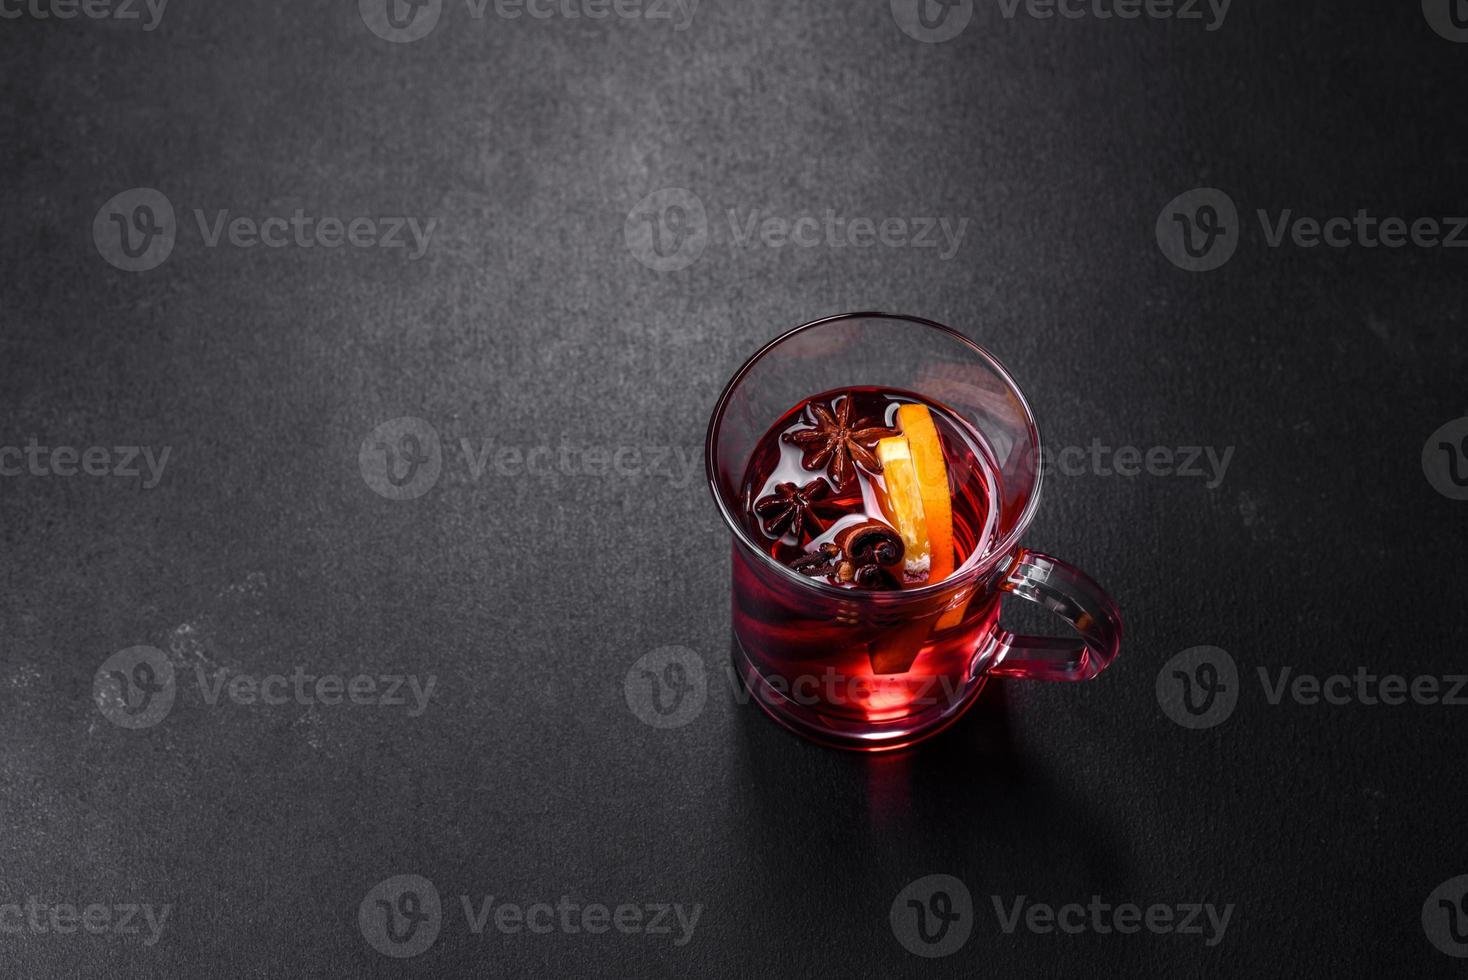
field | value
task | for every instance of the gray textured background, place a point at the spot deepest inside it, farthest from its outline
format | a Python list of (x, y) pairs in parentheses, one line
[(529, 322)]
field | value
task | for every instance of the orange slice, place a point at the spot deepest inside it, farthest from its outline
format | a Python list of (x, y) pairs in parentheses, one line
[(902, 499), (932, 480)]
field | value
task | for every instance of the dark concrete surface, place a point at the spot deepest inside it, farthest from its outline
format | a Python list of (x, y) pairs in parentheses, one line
[(530, 320)]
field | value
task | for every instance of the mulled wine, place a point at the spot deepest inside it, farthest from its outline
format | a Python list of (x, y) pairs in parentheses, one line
[(875, 491), (877, 527)]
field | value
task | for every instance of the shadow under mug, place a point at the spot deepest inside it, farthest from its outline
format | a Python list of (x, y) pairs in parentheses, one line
[(879, 670)]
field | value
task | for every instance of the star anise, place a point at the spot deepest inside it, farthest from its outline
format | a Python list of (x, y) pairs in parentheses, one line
[(836, 442), (790, 508)]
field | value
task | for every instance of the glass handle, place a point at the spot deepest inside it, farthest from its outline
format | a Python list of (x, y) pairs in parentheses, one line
[(1070, 594)]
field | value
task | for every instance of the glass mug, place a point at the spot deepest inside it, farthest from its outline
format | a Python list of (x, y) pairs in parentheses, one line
[(879, 670)]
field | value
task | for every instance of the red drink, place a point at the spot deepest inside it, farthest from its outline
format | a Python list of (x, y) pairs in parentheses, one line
[(884, 640), (877, 525)]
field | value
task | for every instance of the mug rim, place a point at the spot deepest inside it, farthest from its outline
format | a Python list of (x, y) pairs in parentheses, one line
[(971, 570)]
